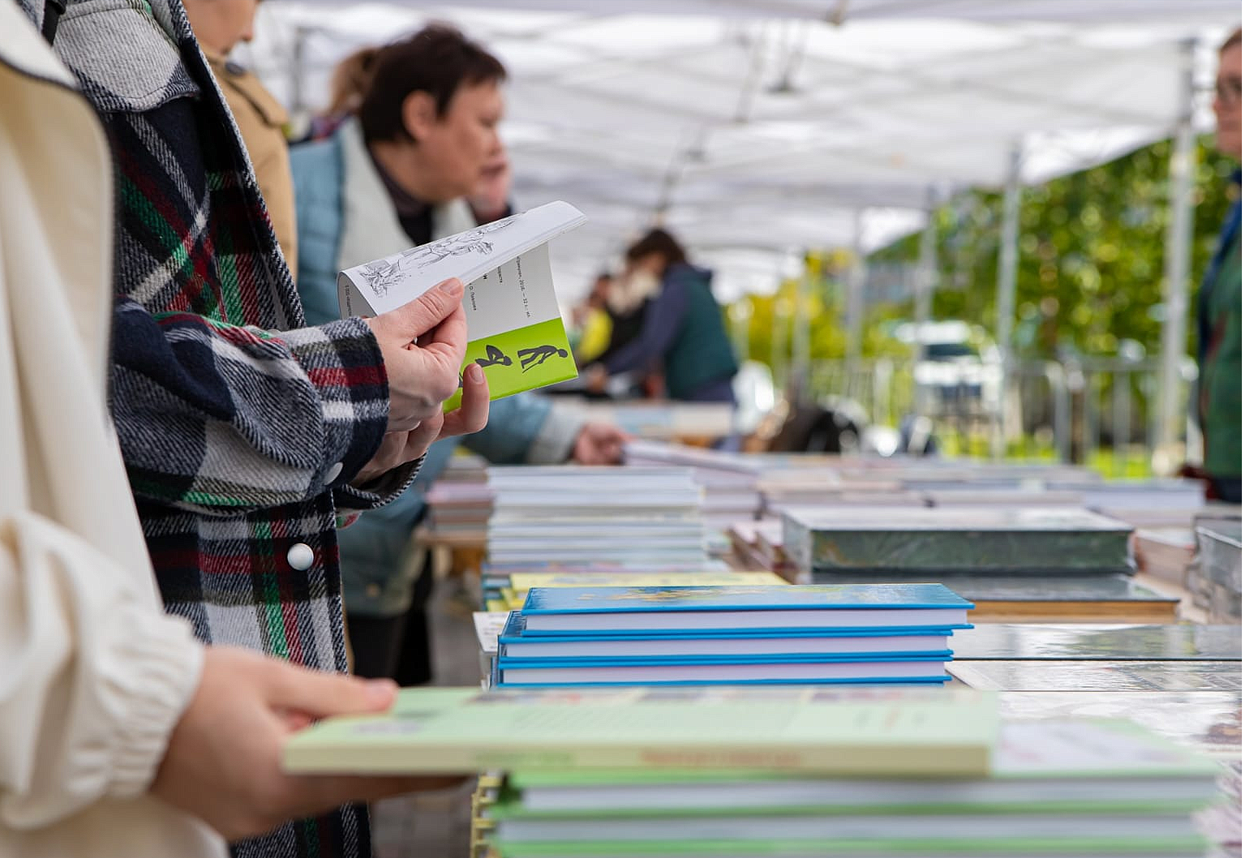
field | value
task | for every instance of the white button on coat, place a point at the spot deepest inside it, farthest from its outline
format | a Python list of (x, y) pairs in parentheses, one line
[(300, 557), (333, 472)]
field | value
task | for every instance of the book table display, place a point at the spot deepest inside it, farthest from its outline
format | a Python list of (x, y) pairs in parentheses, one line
[(950, 680)]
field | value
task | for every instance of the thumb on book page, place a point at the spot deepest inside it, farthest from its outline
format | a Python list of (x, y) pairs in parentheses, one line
[(415, 318)]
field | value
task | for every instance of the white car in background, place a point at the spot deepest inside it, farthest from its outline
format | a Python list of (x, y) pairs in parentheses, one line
[(957, 369)]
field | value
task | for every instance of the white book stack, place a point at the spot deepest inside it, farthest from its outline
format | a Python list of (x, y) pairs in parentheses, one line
[(729, 480), (570, 514)]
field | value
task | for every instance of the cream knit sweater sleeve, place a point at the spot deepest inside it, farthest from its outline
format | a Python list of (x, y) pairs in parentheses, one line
[(93, 674)]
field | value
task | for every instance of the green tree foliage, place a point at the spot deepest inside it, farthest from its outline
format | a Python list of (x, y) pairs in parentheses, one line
[(1091, 258)]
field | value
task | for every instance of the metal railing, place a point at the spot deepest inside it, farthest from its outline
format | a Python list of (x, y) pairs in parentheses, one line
[(1097, 411)]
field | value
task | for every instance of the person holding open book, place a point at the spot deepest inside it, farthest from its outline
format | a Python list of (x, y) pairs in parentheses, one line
[(243, 430), (421, 160), (120, 733)]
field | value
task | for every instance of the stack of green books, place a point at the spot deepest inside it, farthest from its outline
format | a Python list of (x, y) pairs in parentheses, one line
[(1057, 788), (782, 772)]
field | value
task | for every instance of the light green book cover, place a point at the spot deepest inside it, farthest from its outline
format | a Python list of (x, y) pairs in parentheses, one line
[(1071, 766), (1047, 847), (898, 732), (514, 322)]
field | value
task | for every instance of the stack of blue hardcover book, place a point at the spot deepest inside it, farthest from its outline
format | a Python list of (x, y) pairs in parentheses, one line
[(848, 634)]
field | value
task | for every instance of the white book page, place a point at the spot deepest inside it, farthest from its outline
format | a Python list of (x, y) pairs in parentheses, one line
[(385, 284)]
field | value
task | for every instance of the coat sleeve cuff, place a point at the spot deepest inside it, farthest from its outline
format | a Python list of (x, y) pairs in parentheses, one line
[(344, 363), (384, 489)]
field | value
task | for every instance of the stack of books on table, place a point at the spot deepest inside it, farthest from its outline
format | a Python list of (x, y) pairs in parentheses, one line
[(1215, 577), (497, 580), (1115, 496), (773, 635), (459, 507), (507, 591), (1164, 552), (489, 624), (1054, 564), (728, 479), (956, 540), (824, 487), (579, 515), (782, 772), (1054, 789)]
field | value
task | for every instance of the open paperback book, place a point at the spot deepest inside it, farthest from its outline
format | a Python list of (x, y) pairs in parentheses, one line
[(514, 323)]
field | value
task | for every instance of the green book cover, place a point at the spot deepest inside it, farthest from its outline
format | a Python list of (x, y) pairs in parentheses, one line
[(930, 541), (514, 322), (1045, 847), (906, 732), (1071, 766)]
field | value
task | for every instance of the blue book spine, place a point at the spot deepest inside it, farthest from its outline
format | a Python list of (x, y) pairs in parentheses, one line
[(673, 660), (927, 680), (580, 600), (514, 631)]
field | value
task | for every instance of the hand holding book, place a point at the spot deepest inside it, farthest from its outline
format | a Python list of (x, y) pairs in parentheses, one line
[(424, 343), (515, 331), (223, 760)]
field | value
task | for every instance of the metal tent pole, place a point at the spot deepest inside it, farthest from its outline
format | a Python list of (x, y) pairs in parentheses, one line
[(1176, 270), (801, 352), (1006, 288), (297, 72), (780, 341), (854, 297), (925, 282), (924, 286)]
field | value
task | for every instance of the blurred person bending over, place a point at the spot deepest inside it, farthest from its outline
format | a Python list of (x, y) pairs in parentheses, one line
[(219, 25), (683, 332), (1220, 303), (244, 431), (421, 160), (121, 736)]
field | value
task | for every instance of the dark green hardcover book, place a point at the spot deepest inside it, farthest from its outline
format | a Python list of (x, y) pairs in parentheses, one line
[(955, 540)]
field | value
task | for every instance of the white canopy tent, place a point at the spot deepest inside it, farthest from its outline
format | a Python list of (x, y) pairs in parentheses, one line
[(756, 128), (762, 125)]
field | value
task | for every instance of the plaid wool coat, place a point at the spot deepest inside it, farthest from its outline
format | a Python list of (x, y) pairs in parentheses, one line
[(240, 427)]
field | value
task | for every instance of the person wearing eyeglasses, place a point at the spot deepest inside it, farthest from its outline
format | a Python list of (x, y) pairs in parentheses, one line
[(1220, 303)]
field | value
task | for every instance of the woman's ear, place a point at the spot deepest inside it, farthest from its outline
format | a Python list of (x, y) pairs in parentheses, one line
[(418, 114)]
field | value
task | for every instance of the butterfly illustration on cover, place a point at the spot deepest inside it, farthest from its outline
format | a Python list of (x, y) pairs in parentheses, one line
[(536, 356)]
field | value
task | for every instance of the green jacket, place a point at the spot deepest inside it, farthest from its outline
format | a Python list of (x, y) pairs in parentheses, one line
[(684, 333), (1220, 357)]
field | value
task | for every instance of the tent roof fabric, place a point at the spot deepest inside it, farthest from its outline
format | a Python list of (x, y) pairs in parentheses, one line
[(761, 127)]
